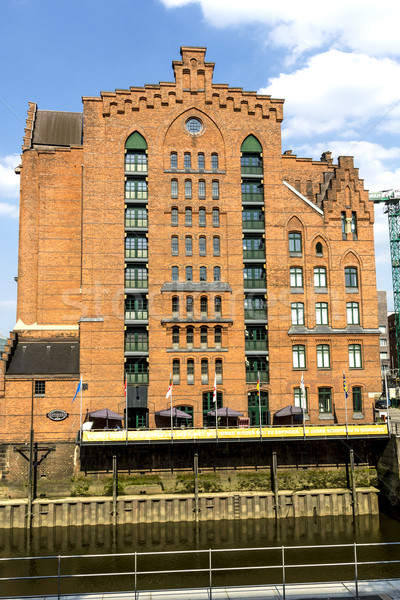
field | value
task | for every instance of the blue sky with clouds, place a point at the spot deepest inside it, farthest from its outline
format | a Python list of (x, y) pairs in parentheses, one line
[(337, 65)]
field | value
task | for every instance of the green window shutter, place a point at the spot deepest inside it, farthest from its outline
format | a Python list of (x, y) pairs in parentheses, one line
[(136, 142), (251, 144)]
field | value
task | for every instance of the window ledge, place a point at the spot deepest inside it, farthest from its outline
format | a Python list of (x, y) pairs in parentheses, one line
[(299, 290), (350, 290), (358, 415), (321, 290), (296, 254), (325, 416)]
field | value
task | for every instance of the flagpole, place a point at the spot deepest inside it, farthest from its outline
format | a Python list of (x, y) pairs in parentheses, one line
[(80, 414), (216, 405), (172, 421), (387, 401), (345, 401), (126, 406), (259, 403), (302, 404)]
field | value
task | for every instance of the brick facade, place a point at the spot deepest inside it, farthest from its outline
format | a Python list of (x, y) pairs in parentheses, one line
[(73, 223)]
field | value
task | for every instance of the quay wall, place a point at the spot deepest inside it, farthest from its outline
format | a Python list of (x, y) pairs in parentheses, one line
[(177, 508)]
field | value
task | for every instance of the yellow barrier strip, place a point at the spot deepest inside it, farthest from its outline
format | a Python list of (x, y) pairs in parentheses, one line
[(154, 435)]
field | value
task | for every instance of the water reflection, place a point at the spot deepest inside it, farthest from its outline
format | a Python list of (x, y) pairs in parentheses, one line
[(157, 537)]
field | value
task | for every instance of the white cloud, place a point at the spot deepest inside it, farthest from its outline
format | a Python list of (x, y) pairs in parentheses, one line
[(9, 181), (8, 210), (360, 25), (339, 91)]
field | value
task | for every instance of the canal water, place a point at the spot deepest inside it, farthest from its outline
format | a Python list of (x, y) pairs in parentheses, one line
[(178, 537)]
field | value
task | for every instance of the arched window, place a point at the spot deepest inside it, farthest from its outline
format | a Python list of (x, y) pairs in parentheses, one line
[(202, 246), (187, 160), (217, 306), (318, 249), (175, 273), (251, 159), (174, 245), (218, 337), (135, 155), (202, 217), (218, 369), (188, 188), (204, 371), (214, 160), (189, 273), (200, 160), (189, 306), (176, 371), (174, 188), (174, 160), (174, 216), (175, 336), (188, 217), (217, 273), (175, 306), (203, 306), (215, 190), (215, 217), (188, 245), (202, 189), (216, 246), (204, 337), (295, 242), (203, 273), (189, 337), (190, 371)]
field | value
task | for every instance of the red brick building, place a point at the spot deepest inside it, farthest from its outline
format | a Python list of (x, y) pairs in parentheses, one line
[(163, 232)]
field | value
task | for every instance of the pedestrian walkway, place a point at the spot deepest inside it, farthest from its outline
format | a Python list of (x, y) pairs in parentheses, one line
[(384, 589)]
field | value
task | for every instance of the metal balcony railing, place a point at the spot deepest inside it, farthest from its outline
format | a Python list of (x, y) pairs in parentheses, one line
[(138, 223), (254, 224), (256, 313), (136, 315), (256, 345), (134, 346), (255, 170), (137, 377), (254, 253), (136, 283), (252, 376), (136, 252), (252, 197), (254, 283)]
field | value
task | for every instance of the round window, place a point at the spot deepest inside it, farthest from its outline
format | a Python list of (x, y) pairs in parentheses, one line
[(194, 125)]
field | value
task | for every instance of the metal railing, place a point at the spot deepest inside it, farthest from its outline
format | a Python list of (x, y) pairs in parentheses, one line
[(279, 563)]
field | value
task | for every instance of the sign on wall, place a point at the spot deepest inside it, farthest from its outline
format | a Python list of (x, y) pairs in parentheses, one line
[(57, 415)]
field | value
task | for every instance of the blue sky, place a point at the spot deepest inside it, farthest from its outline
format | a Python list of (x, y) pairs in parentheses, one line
[(336, 64)]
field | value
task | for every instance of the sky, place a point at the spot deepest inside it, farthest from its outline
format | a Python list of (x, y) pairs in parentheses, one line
[(337, 65)]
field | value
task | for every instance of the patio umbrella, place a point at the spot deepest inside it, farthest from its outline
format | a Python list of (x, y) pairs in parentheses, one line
[(179, 414), (106, 414), (225, 411), (289, 411)]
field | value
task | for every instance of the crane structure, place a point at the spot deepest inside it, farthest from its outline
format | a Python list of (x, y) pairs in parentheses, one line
[(391, 200)]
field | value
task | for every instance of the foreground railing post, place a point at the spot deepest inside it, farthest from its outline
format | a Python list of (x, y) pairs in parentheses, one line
[(59, 578), (283, 574), (135, 575), (210, 571), (356, 569)]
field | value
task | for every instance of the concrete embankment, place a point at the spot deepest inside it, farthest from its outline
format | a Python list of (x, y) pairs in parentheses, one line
[(174, 508)]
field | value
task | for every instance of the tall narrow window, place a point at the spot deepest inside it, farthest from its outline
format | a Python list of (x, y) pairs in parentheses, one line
[(189, 306), (204, 371), (174, 245), (353, 313), (216, 246), (319, 277), (218, 370), (318, 249), (296, 277), (355, 361), (299, 357), (204, 337), (343, 221), (357, 400), (189, 273), (187, 160), (297, 313), (214, 160), (321, 313), (217, 273), (202, 245), (202, 189), (300, 398), (189, 337), (325, 400), (174, 160), (200, 160), (176, 371), (351, 277), (217, 306), (190, 371), (188, 188), (202, 217), (174, 217), (215, 217), (295, 242), (188, 245), (354, 225), (203, 273), (174, 188), (175, 336), (175, 273), (188, 217), (175, 306), (218, 337), (215, 190), (323, 356), (203, 306)]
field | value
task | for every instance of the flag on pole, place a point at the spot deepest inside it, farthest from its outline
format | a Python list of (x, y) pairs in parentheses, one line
[(258, 383), (215, 389), (345, 386), (303, 390), (78, 389), (169, 391), (125, 385)]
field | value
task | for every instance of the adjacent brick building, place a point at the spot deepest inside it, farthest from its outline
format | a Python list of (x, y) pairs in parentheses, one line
[(163, 233)]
